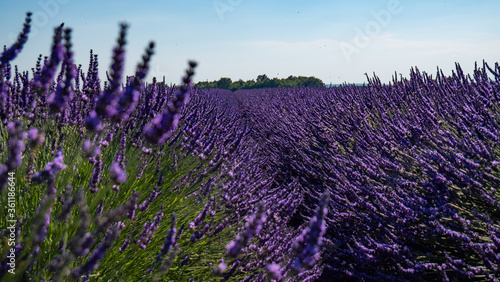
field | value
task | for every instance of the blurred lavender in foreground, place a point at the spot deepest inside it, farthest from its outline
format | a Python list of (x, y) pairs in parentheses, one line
[(95, 257), (16, 147), (11, 53), (7, 56), (308, 243), (163, 125), (43, 80), (58, 100), (51, 169), (170, 240), (252, 227), (106, 104)]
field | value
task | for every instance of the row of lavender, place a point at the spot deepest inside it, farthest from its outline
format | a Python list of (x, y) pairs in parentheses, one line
[(413, 169)]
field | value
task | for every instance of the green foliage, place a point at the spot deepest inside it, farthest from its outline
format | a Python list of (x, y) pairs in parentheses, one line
[(224, 83), (262, 81)]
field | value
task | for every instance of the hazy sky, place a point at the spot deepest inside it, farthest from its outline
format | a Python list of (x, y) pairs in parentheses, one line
[(335, 41)]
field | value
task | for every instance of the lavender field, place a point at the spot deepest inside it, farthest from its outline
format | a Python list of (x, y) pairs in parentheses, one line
[(134, 180)]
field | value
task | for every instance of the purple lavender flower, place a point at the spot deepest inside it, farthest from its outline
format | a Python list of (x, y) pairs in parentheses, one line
[(11, 53), (184, 261), (51, 169), (179, 233), (106, 104), (96, 175), (35, 139), (145, 205), (120, 225), (196, 236), (16, 147), (149, 229), (117, 174), (95, 257), (163, 125), (252, 227), (274, 271), (43, 81), (59, 99), (93, 122), (100, 207), (170, 240), (42, 226), (7, 56), (307, 244), (200, 217), (220, 268), (125, 244), (89, 150), (132, 207)]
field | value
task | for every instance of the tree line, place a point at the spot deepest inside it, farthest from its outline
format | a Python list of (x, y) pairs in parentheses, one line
[(262, 81)]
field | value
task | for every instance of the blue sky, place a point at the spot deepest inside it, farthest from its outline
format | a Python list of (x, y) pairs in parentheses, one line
[(335, 41)]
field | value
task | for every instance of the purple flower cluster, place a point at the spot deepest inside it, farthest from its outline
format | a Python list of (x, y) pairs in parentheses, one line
[(252, 227), (43, 80), (96, 174), (170, 240), (163, 125), (11, 53), (308, 243), (7, 56), (113, 103), (49, 172), (94, 258), (149, 229), (106, 104), (117, 169), (16, 148), (59, 100)]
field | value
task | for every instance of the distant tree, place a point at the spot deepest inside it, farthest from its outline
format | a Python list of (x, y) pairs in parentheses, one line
[(262, 78), (249, 84), (270, 83), (224, 83), (237, 85), (312, 82)]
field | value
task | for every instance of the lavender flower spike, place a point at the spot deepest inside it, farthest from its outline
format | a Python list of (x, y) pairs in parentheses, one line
[(252, 227), (130, 97), (7, 56), (163, 125), (51, 169), (11, 53), (274, 271), (105, 106), (308, 243), (43, 80), (170, 240), (117, 174), (35, 138), (125, 244), (96, 175), (59, 100), (16, 147), (132, 207), (93, 122), (97, 254)]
